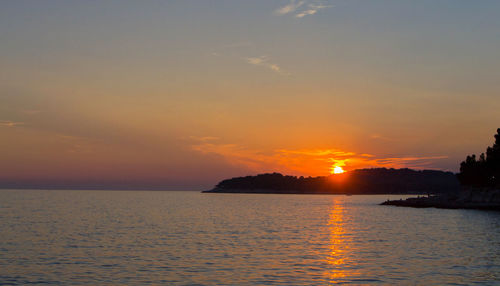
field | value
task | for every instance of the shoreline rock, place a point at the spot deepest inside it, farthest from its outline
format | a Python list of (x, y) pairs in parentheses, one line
[(467, 198)]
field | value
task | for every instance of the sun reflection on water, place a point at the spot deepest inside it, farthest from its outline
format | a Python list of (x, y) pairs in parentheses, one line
[(339, 245)]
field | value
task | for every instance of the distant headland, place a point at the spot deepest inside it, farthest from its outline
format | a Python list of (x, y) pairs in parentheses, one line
[(477, 186), (360, 181)]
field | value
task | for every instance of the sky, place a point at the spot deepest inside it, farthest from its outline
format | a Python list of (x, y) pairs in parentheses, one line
[(182, 94)]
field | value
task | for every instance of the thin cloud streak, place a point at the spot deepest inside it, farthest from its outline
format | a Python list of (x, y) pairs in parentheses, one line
[(312, 162), (380, 137), (317, 152), (293, 7), (237, 155), (289, 8), (313, 9), (264, 62), (231, 50), (8, 123)]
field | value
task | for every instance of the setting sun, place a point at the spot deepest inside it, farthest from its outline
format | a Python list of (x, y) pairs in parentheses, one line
[(337, 170)]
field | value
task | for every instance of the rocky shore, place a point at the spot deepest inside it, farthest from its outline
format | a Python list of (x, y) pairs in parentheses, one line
[(467, 198)]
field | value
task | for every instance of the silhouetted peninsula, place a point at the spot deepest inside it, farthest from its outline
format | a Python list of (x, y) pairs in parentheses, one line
[(361, 181), (480, 185)]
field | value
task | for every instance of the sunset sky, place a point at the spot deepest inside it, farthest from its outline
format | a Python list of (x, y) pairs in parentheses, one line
[(182, 94)]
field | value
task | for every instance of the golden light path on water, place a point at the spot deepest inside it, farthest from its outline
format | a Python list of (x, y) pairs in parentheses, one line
[(189, 238), (339, 245)]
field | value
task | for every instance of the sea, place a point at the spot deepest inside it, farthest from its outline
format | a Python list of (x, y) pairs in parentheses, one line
[(66, 237)]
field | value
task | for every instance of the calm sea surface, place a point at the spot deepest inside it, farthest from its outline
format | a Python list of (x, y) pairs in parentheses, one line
[(189, 238)]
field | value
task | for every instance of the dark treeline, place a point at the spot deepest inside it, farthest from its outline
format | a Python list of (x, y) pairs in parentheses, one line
[(484, 171), (362, 181)]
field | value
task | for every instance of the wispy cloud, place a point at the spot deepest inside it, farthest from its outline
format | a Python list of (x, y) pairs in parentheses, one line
[(380, 137), (8, 123), (408, 162), (312, 162), (240, 50), (318, 152), (312, 9), (203, 138), (289, 8), (264, 62), (305, 8), (238, 155)]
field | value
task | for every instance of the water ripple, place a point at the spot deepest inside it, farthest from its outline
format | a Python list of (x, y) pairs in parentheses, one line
[(188, 238)]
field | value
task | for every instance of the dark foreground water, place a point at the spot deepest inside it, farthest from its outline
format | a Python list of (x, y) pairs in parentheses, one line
[(189, 238)]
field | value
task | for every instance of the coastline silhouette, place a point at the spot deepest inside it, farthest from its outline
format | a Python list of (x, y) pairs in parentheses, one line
[(477, 186), (480, 184), (360, 181)]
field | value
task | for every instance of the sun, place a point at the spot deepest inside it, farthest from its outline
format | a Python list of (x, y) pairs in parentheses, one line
[(337, 170)]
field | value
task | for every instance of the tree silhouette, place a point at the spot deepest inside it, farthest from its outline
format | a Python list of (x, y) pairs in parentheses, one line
[(484, 172)]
